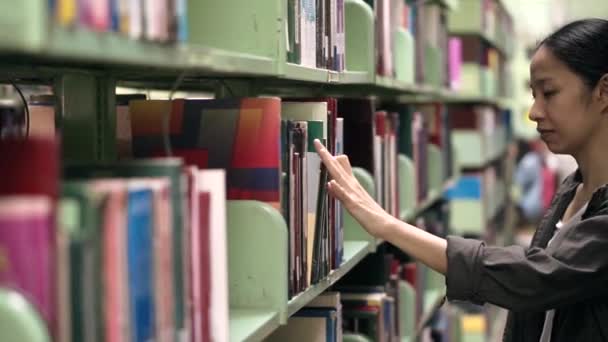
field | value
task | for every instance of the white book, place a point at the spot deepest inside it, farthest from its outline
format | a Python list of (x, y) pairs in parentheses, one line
[(157, 23), (136, 15), (214, 182)]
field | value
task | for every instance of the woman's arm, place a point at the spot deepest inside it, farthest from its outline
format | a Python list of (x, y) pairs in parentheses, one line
[(426, 247), (511, 277)]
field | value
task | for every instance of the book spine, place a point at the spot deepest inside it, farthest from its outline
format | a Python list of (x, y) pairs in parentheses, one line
[(26, 251)]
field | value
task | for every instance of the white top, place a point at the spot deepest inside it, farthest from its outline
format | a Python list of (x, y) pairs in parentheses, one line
[(559, 226)]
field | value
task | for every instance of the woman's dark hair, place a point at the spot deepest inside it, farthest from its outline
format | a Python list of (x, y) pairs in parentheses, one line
[(583, 46)]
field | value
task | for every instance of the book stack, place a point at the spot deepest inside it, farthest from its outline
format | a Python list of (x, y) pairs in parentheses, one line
[(155, 231), (151, 20), (315, 30), (130, 251)]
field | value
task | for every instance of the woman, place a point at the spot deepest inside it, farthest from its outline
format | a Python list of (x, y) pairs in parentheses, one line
[(556, 290)]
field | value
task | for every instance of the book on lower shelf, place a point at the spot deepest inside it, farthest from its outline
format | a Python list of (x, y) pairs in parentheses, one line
[(320, 320)]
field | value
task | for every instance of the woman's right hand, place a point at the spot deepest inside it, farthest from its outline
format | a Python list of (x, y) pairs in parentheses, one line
[(347, 189)]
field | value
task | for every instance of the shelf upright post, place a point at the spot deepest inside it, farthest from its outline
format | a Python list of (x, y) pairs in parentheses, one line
[(86, 113)]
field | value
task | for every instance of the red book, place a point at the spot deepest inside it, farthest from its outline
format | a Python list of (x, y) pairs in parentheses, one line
[(30, 167), (114, 218), (205, 261), (26, 247)]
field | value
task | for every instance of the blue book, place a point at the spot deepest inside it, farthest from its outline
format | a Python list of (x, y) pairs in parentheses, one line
[(140, 263), (114, 16), (182, 20)]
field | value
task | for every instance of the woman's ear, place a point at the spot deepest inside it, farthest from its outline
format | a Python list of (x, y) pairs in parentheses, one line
[(603, 93)]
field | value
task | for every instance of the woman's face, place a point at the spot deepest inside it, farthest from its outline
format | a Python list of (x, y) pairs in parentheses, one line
[(564, 110)]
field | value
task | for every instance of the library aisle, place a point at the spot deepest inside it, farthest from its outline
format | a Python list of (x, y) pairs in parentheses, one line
[(159, 181)]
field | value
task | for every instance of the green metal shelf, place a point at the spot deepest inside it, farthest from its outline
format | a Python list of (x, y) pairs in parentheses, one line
[(391, 83), (432, 298), (449, 4), (354, 252), (302, 73), (83, 47), (252, 324), (356, 77)]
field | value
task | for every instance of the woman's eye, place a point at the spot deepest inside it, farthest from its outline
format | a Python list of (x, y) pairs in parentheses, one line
[(548, 94)]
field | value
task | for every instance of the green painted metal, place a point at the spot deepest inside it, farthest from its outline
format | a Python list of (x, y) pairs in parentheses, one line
[(23, 24), (257, 257), (467, 18), (86, 111), (471, 148), (431, 299), (467, 216), (471, 84), (433, 65), (303, 73), (352, 229), (355, 338), (407, 195), (407, 311), (354, 252), (360, 30), (19, 319), (256, 27), (404, 56), (252, 324), (435, 175)]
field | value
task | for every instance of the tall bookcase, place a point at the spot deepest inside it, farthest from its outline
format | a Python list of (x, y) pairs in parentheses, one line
[(238, 48)]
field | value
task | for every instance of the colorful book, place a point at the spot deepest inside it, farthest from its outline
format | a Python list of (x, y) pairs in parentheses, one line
[(338, 206), (66, 12), (161, 167), (115, 273), (81, 210), (141, 262), (213, 183), (164, 301), (27, 251), (28, 159), (136, 19), (156, 20), (241, 136)]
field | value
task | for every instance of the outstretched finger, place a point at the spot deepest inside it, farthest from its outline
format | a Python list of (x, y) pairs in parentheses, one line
[(333, 166)]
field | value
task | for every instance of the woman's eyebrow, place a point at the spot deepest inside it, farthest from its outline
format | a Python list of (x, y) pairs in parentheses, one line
[(539, 82)]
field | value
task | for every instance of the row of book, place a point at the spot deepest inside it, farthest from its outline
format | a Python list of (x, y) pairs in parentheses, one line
[(133, 251), (411, 36), (153, 20), (316, 33)]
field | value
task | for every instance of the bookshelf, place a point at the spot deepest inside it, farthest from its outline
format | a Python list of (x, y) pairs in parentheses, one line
[(354, 251), (84, 67)]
